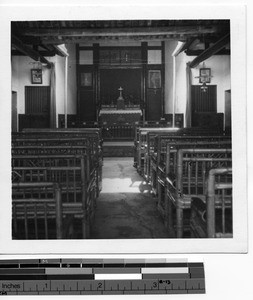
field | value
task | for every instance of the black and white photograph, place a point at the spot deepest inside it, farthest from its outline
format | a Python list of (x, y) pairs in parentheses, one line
[(125, 133), (128, 137)]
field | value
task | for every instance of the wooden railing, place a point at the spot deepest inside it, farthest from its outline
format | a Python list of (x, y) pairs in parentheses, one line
[(176, 164), (69, 157)]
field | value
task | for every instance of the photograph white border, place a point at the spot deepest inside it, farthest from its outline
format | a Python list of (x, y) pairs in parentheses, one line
[(237, 16)]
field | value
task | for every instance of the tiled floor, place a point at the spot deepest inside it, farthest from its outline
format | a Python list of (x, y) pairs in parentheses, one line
[(126, 208)]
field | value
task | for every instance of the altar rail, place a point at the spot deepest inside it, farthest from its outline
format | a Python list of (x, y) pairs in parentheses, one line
[(118, 131)]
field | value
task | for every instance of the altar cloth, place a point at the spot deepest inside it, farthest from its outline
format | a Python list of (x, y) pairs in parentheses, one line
[(120, 116)]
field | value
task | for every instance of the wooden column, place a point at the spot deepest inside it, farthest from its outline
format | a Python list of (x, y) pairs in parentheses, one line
[(77, 84), (163, 76), (144, 58), (96, 84)]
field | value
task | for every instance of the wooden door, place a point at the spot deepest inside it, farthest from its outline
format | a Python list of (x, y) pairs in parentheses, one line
[(154, 95), (203, 106), (37, 106), (14, 113), (228, 110), (87, 100)]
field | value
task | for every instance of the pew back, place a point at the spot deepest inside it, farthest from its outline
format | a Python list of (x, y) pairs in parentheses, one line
[(70, 157), (192, 167), (36, 211), (212, 218), (70, 172)]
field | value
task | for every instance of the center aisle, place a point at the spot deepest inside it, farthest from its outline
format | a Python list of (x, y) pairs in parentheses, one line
[(126, 208)]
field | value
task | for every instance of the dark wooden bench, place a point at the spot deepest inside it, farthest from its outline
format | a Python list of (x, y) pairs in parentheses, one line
[(70, 171), (212, 217), (93, 136), (157, 143), (143, 144), (189, 181), (146, 142), (163, 159), (37, 211), (62, 142), (138, 139)]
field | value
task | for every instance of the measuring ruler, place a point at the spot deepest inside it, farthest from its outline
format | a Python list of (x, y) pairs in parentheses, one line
[(100, 276)]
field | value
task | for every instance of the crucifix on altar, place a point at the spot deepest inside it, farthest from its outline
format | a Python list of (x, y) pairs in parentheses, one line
[(120, 100)]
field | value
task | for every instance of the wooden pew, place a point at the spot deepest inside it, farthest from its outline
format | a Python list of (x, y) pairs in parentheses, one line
[(137, 138), (92, 136), (63, 143), (51, 152), (146, 138), (143, 144), (63, 130), (72, 157), (212, 218), (70, 171), (192, 166), (36, 211), (157, 143), (163, 161)]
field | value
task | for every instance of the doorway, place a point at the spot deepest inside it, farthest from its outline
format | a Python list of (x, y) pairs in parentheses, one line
[(228, 110), (204, 106), (14, 113), (37, 106), (154, 95), (87, 97)]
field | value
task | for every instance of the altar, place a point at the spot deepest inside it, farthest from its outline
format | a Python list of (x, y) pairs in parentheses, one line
[(113, 116), (121, 114)]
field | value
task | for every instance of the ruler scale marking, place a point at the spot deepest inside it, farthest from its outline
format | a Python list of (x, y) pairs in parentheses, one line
[(100, 276)]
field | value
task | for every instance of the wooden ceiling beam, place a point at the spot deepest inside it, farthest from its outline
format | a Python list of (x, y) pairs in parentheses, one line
[(74, 40), (43, 53), (219, 45), (19, 45), (187, 44), (130, 31), (198, 52), (54, 49)]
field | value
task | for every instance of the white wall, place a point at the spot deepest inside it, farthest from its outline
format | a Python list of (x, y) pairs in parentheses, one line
[(181, 84), (219, 64), (168, 93), (60, 82), (220, 70), (59, 85), (21, 77), (72, 81)]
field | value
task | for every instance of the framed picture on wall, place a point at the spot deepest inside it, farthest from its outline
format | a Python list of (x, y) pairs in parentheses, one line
[(154, 79), (36, 75), (86, 79), (204, 75)]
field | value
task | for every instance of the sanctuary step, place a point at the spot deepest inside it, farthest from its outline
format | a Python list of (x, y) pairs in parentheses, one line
[(118, 148)]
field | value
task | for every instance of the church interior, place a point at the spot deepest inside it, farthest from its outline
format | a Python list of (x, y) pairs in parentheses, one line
[(121, 129)]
